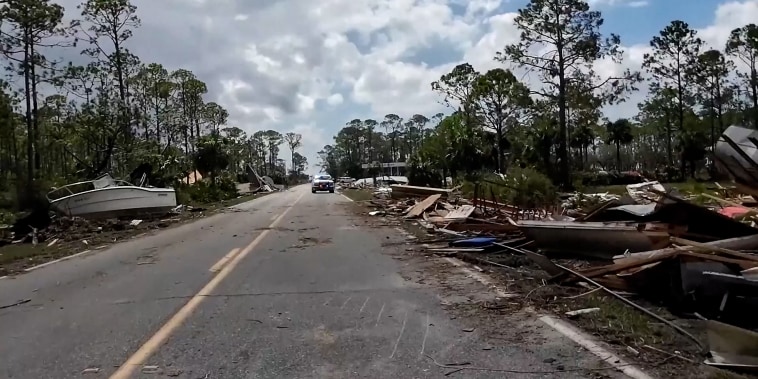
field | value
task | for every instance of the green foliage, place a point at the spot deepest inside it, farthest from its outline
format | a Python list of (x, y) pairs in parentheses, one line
[(109, 111), (7, 217), (205, 191), (419, 175), (558, 127), (619, 133), (606, 178), (523, 187), (569, 30), (500, 102), (211, 155), (743, 45), (529, 188)]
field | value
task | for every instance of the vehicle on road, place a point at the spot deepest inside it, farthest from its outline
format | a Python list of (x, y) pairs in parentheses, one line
[(345, 180), (322, 182)]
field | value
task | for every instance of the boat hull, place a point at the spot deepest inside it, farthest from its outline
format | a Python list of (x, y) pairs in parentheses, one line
[(739, 164), (117, 202), (593, 239)]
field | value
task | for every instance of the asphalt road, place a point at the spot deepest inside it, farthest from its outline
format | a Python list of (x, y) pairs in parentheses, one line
[(290, 285)]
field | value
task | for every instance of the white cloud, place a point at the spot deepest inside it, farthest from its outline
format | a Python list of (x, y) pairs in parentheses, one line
[(728, 17), (628, 3), (335, 99), (480, 8), (317, 64)]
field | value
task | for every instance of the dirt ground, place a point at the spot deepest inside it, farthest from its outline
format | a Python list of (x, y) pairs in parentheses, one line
[(653, 346)]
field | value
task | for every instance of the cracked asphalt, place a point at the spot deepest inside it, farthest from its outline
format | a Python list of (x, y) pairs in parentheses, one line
[(291, 285)]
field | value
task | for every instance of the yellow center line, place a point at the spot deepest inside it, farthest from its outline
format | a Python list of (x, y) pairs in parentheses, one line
[(221, 262), (126, 370)]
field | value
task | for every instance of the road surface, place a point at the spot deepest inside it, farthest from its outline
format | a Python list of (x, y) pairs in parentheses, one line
[(291, 285)]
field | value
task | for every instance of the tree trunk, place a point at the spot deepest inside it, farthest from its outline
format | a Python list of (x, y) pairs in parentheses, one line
[(754, 93), (669, 138), (158, 125), (499, 136), (29, 123), (618, 156), (35, 118), (713, 126), (564, 168)]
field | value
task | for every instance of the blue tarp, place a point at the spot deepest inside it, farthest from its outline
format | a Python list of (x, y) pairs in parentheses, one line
[(474, 242)]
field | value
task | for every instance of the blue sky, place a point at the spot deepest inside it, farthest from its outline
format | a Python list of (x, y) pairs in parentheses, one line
[(637, 25)]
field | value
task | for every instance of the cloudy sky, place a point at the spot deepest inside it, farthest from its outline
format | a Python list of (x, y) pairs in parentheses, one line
[(310, 66)]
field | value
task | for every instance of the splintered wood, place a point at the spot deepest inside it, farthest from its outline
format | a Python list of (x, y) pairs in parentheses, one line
[(421, 207), (461, 213), (620, 274)]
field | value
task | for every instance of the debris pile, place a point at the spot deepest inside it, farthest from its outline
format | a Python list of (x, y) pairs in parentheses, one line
[(259, 183), (650, 242), (79, 229)]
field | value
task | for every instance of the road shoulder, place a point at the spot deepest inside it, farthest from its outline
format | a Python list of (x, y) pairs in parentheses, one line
[(486, 306)]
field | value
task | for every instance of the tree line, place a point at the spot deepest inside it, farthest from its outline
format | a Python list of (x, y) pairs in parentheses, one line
[(557, 125), (62, 121)]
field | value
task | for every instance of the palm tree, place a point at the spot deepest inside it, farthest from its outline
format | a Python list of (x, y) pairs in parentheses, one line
[(619, 133), (582, 137)]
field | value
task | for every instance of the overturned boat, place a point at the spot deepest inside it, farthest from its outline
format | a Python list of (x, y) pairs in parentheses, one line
[(106, 197), (601, 240), (736, 153)]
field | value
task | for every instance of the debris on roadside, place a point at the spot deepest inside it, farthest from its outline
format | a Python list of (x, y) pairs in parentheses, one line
[(582, 311), (690, 255)]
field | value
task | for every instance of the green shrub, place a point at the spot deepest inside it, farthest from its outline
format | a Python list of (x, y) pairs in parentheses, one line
[(7, 217), (522, 187), (183, 195), (203, 192), (529, 188)]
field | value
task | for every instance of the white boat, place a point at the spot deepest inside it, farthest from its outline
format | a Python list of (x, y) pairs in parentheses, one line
[(106, 197), (737, 154)]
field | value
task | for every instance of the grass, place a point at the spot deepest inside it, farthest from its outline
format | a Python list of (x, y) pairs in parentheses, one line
[(15, 252), (620, 321), (690, 187), (722, 374), (235, 201), (16, 257), (358, 194)]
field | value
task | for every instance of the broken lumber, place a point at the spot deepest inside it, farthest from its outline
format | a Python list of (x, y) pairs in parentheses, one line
[(716, 249), (619, 266), (422, 206), (461, 213), (737, 243), (400, 191)]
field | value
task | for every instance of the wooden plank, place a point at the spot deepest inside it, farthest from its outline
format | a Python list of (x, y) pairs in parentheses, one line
[(422, 206), (732, 203), (737, 243), (621, 266), (463, 212), (709, 248), (745, 265), (487, 228), (400, 191), (614, 282)]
